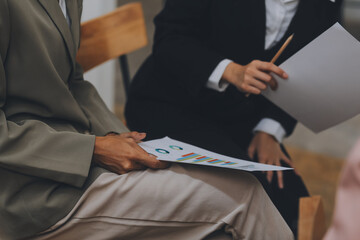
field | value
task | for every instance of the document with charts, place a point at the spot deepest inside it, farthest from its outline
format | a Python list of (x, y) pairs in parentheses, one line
[(167, 149)]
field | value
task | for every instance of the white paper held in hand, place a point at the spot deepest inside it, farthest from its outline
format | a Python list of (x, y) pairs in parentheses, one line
[(324, 81)]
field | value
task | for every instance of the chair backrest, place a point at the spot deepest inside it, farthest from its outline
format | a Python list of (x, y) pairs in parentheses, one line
[(311, 219), (112, 35)]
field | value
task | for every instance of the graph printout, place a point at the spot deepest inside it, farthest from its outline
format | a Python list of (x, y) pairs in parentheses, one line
[(167, 149)]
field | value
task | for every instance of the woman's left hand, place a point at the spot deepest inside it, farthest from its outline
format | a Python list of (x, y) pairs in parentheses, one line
[(268, 151)]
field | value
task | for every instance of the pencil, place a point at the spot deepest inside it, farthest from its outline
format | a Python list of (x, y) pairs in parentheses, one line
[(283, 47), (278, 54)]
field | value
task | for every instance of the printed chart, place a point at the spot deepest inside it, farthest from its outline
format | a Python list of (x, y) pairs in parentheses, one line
[(167, 149)]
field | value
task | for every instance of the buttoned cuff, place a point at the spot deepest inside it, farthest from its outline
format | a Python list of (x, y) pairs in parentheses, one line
[(214, 81), (271, 127)]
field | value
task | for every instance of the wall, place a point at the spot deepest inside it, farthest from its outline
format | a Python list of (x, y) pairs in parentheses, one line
[(102, 76)]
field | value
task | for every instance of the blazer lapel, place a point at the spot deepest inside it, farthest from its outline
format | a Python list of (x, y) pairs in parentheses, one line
[(53, 10), (251, 16), (258, 22), (73, 12)]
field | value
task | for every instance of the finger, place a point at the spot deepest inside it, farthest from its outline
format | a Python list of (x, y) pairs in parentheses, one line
[(130, 165), (287, 160), (136, 166), (269, 176), (126, 134), (262, 76), (280, 179), (290, 163), (134, 135), (251, 151), (154, 163), (252, 90), (273, 84), (258, 83), (266, 66), (262, 158), (149, 160)]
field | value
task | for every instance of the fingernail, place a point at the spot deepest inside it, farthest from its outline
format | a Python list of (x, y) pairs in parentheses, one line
[(285, 75)]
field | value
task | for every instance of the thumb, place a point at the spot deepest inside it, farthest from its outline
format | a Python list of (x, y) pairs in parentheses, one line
[(134, 135)]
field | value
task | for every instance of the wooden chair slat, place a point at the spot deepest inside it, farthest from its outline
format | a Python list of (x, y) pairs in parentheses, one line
[(112, 35), (311, 219)]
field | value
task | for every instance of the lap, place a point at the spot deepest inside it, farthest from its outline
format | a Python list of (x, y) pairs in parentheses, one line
[(186, 200), (229, 137)]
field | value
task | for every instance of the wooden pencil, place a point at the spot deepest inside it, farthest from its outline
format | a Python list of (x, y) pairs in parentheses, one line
[(283, 47)]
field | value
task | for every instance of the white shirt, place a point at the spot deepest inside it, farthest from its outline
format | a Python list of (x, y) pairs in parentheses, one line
[(279, 14), (62, 4)]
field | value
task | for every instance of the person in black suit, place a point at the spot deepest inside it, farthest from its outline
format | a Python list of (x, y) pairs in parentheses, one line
[(208, 55)]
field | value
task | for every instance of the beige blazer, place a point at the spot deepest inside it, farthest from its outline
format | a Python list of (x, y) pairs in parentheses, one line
[(45, 107)]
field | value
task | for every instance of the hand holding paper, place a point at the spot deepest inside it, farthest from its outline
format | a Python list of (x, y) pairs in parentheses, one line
[(324, 81)]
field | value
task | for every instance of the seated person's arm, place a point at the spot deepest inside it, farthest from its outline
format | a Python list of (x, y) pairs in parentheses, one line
[(276, 124), (33, 148), (93, 106), (181, 47)]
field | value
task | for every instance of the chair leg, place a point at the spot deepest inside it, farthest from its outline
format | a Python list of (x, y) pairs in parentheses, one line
[(124, 66), (311, 219)]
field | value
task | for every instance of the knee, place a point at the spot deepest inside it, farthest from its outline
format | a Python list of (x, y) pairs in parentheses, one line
[(250, 180)]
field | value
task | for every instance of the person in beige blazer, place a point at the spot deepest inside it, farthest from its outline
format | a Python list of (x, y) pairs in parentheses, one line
[(66, 162)]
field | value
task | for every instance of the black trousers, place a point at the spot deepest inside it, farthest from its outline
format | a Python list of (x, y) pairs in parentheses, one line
[(229, 136)]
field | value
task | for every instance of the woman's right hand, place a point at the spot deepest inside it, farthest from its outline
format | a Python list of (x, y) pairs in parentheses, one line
[(121, 153), (254, 77)]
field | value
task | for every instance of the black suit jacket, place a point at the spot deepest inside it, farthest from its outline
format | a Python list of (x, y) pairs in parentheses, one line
[(193, 36)]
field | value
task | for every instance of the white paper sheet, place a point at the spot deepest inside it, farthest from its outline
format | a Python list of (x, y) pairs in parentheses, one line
[(323, 88), (167, 149)]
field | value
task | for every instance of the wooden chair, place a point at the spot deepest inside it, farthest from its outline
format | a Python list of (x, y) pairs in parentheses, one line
[(113, 36), (311, 219)]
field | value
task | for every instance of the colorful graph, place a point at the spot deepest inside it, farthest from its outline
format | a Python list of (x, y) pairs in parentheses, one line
[(197, 158), (162, 151), (173, 147)]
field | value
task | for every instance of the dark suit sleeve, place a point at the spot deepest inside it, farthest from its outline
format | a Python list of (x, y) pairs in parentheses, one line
[(181, 45), (102, 120), (277, 114)]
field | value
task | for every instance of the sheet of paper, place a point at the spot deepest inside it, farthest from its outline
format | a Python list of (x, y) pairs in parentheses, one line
[(323, 88), (170, 150)]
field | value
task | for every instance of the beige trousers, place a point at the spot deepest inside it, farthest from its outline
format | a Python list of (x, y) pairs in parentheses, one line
[(184, 202)]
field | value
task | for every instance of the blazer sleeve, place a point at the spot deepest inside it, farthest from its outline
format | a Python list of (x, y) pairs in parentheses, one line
[(279, 115), (32, 147), (102, 120), (180, 44)]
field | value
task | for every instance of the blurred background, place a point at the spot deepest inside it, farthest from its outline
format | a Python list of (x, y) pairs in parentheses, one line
[(318, 157)]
